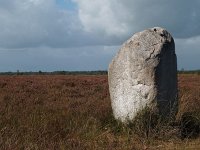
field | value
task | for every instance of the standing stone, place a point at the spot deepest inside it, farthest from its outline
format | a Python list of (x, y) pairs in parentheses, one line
[(144, 74)]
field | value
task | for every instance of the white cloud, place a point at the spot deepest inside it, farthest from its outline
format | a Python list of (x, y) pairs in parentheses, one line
[(117, 17), (105, 16)]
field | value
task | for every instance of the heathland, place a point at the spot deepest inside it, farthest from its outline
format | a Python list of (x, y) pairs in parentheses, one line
[(74, 112)]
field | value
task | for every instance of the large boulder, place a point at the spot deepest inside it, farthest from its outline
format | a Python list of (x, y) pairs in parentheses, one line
[(144, 74)]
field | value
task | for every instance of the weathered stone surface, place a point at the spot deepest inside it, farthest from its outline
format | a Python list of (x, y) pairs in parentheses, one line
[(144, 73)]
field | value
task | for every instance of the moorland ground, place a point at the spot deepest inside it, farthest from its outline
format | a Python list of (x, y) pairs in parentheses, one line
[(74, 112)]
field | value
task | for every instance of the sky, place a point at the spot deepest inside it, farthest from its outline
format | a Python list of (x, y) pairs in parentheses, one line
[(77, 35)]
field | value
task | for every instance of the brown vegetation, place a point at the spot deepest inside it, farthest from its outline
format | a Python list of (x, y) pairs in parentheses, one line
[(74, 112)]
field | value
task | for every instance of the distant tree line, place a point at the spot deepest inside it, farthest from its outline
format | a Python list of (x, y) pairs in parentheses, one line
[(98, 72), (182, 71)]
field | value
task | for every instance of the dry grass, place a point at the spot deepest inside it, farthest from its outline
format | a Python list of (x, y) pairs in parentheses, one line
[(74, 112)]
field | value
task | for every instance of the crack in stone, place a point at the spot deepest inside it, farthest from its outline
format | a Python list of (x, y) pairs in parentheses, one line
[(150, 56)]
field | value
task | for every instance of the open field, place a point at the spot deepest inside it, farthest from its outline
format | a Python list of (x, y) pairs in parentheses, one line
[(74, 112)]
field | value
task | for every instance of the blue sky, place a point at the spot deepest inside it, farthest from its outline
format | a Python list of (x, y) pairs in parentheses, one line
[(66, 4), (51, 35)]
